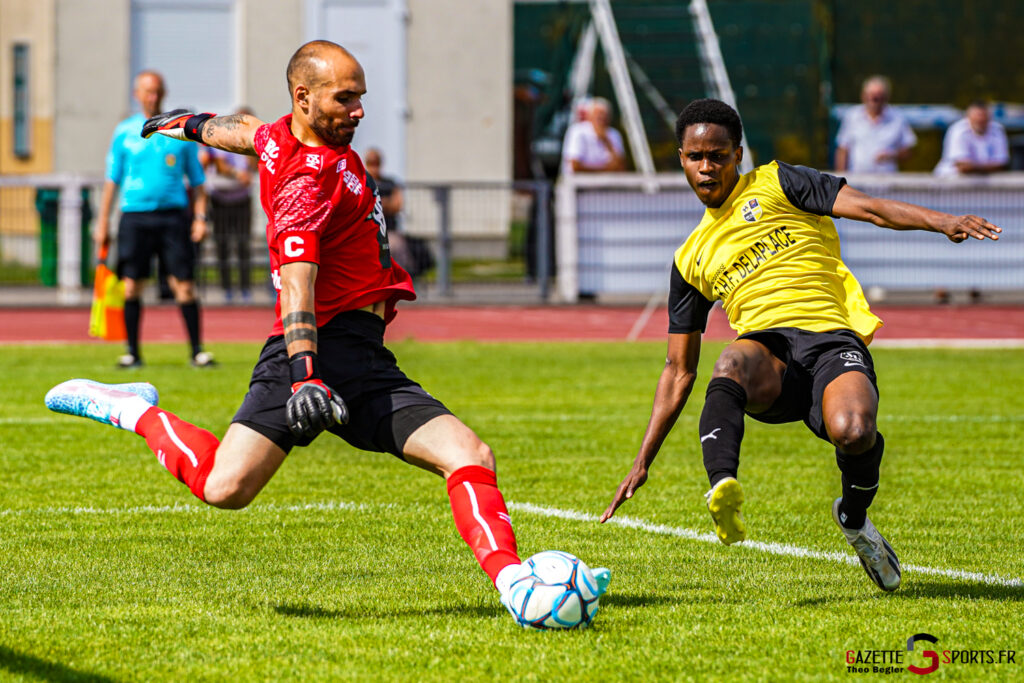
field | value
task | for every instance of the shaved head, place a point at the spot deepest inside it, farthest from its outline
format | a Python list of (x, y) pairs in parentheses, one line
[(326, 85), (311, 64)]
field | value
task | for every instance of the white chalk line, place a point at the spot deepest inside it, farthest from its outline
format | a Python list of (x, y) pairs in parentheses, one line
[(940, 343), (766, 547), (529, 508)]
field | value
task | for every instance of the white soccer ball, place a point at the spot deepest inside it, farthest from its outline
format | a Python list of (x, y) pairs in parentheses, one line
[(553, 590)]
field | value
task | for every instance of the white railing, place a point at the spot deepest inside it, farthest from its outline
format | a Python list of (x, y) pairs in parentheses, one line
[(69, 225), (616, 233)]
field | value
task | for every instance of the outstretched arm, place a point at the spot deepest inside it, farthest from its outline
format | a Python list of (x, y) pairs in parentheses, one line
[(889, 213), (674, 388), (232, 133)]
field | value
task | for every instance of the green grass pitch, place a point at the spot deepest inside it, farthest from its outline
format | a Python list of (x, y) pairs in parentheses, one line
[(348, 565)]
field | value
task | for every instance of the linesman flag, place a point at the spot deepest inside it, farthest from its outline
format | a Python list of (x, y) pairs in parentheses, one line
[(107, 318)]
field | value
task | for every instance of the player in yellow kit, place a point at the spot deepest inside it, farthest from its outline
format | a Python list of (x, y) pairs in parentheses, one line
[(768, 249)]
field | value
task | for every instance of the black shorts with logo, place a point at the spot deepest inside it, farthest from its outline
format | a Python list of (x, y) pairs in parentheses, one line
[(813, 360), (168, 233), (385, 407)]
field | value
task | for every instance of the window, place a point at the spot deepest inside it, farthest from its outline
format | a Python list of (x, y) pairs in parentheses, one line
[(22, 105)]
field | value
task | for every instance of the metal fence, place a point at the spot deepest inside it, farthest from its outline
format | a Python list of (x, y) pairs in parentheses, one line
[(616, 235), (613, 237), (489, 241)]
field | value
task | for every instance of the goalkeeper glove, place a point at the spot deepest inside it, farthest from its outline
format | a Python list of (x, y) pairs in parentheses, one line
[(313, 406), (180, 124)]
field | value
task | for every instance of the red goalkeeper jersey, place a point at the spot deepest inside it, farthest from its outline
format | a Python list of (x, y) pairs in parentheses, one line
[(323, 208)]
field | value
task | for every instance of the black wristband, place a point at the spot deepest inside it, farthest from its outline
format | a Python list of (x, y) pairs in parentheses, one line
[(303, 367), (194, 126)]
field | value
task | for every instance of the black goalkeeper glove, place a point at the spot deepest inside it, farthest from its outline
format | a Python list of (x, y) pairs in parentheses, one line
[(180, 124), (313, 406)]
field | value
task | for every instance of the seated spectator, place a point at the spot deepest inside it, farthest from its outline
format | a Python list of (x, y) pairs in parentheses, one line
[(412, 253), (873, 137), (592, 145), (974, 145)]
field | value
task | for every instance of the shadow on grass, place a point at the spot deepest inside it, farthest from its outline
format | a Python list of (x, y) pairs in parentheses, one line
[(308, 611), (931, 589), (19, 663), (317, 612), (638, 600), (975, 591)]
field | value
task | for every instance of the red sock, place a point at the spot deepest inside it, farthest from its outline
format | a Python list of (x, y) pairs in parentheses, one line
[(184, 449), (482, 518)]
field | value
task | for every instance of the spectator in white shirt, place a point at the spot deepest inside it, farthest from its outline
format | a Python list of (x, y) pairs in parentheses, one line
[(592, 145), (974, 145), (873, 137)]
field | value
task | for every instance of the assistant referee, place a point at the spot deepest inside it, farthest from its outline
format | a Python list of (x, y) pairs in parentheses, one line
[(156, 218)]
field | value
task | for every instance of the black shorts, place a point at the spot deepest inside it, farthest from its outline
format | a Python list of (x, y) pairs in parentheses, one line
[(813, 360), (167, 233), (385, 407)]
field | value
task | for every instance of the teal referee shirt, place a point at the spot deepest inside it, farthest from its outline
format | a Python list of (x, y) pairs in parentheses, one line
[(151, 172)]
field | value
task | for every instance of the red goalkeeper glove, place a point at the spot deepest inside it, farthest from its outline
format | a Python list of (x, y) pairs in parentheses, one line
[(180, 124), (313, 406)]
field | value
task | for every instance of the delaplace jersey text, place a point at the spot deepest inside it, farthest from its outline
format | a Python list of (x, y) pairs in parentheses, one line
[(323, 208), (771, 254)]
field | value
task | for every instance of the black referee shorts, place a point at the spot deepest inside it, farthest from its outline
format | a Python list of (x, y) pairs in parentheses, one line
[(167, 232), (813, 360), (385, 407)]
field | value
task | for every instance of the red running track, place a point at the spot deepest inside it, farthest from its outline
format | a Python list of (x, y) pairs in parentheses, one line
[(505, 323)]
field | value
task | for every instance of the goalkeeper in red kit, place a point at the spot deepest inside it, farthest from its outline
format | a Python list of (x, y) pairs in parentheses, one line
[(324, 366)]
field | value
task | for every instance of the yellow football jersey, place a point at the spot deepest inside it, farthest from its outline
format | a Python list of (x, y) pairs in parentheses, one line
[(771, 254)]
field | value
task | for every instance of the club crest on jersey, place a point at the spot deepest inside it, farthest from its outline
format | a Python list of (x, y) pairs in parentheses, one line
[(751, 211), (314, 161)]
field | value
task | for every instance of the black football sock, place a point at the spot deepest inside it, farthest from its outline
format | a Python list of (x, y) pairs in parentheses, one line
[(190, 312), (721, 428), (860, 483), (132, 317)]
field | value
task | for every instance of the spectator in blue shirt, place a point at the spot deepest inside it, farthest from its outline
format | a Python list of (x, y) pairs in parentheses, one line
[(159, 215), (873, 137)]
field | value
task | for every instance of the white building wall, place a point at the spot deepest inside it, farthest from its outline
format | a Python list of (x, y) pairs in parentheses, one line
[(92, 80), (460, 90), (459, 75), (270, 32)]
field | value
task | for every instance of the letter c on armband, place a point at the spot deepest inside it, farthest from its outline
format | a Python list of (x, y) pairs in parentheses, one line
[(294, 246)]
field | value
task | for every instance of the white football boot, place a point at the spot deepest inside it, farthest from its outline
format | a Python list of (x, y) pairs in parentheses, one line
[(118, 405), (876, 555)]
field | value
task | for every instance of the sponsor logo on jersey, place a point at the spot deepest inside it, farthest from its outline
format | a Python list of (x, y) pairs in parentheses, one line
[(751, 211), (342, 165), (314, 161), (352, 182), (852, 358), (275, 279), (269, 155)]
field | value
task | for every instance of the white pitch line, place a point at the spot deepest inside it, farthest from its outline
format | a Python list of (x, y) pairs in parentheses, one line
[(772, 548), (530, 508), (928, 343)]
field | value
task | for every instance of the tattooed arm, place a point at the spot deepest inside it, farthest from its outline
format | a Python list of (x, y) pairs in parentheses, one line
[(313, 406), (297, 308), (233, 133)]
